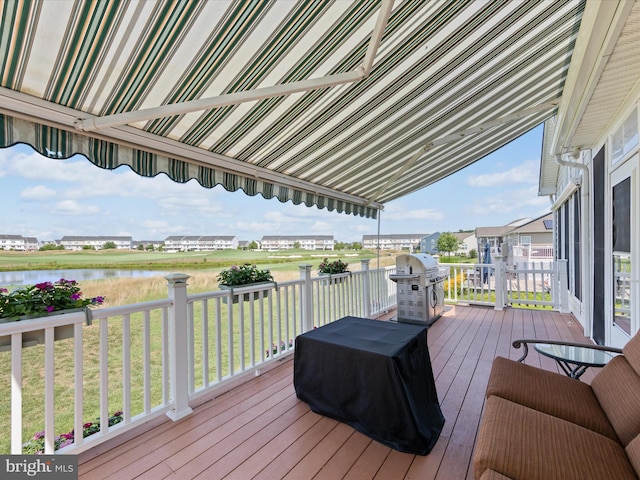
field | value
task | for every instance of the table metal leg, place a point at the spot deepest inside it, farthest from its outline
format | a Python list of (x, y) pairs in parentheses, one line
[(573, 371)]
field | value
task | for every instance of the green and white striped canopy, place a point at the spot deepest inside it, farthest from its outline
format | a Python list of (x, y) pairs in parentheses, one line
[(340, 104)]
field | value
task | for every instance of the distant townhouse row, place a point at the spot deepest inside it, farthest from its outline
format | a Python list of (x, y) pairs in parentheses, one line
[(18, 243), (174, 243), (525, 237), (200, 243), (306, 242), (425, 242)]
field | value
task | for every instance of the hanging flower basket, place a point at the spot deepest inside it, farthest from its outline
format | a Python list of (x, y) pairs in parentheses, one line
[(246, 296), (43, 300), (332, 279), (35, 337)]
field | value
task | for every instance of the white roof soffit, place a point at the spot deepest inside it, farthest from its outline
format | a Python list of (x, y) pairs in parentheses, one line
[(342, 105), (600, 31)]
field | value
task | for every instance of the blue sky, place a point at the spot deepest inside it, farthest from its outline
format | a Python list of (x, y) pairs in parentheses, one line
[(47, 199)]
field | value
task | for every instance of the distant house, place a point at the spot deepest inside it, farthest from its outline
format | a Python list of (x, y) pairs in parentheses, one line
[(395, 241), (429, 243), (199, 243), (533, 239), (173, 244), (495, 236), (156, 244), (18, 243), (246, 244), (80, 242), (525, 238), (307, 242), (31, 243), (467, 242)]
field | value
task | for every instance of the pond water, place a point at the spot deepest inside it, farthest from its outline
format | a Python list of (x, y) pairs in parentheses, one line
[(31, 277)]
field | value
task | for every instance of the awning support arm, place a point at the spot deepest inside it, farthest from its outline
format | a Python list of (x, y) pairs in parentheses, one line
[(97, 123), (459, 135)]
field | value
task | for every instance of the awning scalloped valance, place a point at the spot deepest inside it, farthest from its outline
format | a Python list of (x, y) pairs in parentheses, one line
[(61, 144)]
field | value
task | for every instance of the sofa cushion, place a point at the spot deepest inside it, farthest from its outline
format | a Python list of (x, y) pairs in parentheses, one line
[(631, 352), (633, 452), (493, 475), (524, 444), (549, 392), (617, 387)]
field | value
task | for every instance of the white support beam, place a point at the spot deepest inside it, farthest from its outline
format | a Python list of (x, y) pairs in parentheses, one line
[(98, 123), (90, 124), (494, 123), (376, 36), (408, 164), (459, 135)]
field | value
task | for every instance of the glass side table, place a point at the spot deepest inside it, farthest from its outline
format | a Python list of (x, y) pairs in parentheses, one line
[(574, 360)]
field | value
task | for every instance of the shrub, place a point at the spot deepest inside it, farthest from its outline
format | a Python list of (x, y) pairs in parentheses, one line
[(337, 266), (243, 275)]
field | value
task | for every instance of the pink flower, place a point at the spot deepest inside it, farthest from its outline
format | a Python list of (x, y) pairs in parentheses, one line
[(50, 308)]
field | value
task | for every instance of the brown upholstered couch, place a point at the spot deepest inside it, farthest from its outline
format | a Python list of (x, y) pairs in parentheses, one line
[(541, 425)]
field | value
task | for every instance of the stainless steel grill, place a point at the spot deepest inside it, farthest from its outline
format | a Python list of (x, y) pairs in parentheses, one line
[(420, 289)]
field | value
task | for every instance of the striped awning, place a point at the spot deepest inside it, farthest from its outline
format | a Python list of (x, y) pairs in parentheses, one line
[(344, 105)]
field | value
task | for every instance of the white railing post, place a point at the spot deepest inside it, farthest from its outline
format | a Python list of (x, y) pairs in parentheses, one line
[(500, 285), (366, 287), (562, 286), (178, 346), (307, 298)]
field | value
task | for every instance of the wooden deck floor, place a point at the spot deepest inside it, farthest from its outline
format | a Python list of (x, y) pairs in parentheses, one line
[(261, 430)]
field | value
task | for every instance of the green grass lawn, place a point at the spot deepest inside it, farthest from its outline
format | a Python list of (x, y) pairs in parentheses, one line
[(10, 261)]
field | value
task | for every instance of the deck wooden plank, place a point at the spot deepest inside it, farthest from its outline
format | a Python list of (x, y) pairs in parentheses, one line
[(369, 463), (395, 466), (302, 446), (468, 402), (170, 436), (313, 462), (344, 459), (275, 445), (260, 429), (234, 414)]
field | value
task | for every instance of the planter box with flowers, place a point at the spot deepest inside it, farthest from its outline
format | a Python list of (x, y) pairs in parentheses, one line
[(43, 300), (327, 269), (243, 276)]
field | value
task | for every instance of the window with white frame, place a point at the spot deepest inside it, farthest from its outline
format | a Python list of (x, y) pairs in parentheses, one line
[(625, 139)]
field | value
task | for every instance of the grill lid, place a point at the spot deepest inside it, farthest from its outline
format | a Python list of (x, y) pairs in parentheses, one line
[(417, 264)]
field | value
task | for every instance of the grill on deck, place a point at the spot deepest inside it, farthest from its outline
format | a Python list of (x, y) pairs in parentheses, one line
[(420, 288)]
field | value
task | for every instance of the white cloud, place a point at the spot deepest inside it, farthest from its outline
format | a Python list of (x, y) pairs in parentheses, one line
[(510, 202), (71, 207), (526, 172), (38, 192), (155, 224), (399, 212)]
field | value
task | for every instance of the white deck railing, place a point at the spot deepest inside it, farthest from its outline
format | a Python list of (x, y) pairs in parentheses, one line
[(155, 358), (535, 284)]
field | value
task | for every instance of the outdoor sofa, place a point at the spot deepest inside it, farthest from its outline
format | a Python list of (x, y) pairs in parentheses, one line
[(541, 425)]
